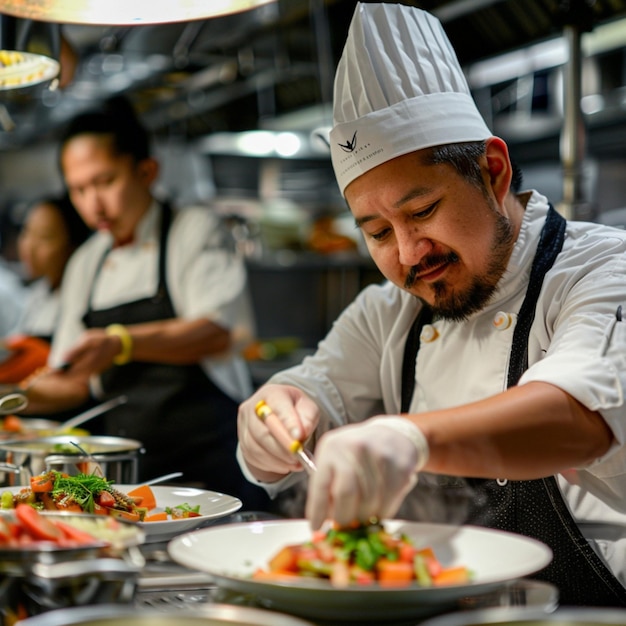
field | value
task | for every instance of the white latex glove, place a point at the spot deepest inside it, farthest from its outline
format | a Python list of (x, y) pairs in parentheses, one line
[(263, 455), (365, 470)]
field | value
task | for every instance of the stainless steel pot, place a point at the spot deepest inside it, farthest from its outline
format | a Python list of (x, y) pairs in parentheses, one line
[(117, 457), (209, 615), (44, 578), (568, 616)]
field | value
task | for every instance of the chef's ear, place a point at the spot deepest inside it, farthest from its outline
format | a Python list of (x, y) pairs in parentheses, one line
[(499, 167), (148, 170)]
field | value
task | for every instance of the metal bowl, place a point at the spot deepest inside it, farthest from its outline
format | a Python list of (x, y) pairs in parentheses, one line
[(209, 615), (117, 457)]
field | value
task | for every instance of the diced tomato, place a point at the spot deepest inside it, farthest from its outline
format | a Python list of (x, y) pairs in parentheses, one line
[(432, 562), (406, 552), (105, 498), (37, 525)]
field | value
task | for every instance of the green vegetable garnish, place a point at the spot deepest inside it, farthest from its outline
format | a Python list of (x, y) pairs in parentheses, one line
[(80, 488), (185, 508)]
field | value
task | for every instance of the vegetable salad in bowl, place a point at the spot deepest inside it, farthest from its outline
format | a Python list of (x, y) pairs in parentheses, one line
[(364, 554)]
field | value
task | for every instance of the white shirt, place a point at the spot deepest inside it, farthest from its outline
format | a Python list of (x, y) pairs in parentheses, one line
[(204, 278), (12, 296), (575, 343), (41, 310)]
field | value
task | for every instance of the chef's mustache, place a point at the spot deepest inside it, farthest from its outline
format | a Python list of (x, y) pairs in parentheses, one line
[(427, 264)]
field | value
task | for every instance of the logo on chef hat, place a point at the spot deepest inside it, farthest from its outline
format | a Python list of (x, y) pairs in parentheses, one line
[(350, 145)]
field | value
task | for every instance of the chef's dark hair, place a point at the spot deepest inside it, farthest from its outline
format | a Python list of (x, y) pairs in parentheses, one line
[(117, 119), (464, 157)]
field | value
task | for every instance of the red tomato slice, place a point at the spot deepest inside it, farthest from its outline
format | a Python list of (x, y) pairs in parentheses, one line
[(37, 525), (106, 499)]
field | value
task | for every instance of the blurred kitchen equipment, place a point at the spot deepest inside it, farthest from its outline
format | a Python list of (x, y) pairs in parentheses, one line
[(42, 578), (162, 479), (568, 616), (280, 433), (123, 12), (118, 457), (12, 403), (210, 615), (85, 416)]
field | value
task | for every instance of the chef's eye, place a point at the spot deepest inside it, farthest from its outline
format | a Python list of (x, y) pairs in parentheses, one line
[(380, 235), (426, 212)]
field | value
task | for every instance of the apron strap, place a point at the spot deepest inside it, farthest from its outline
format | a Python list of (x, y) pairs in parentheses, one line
[(550, 244), (412, 345)]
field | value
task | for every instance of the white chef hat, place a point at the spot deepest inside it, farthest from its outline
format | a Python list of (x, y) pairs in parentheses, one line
[(398, 88)]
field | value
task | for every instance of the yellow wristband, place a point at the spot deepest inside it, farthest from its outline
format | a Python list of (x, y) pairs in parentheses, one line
[(127, 343)]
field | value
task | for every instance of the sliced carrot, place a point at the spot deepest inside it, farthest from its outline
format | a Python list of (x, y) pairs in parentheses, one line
[(275, 577), (285, 560), (452, 576), (148, 499), (394, 573), (42, 483), (156, 517)]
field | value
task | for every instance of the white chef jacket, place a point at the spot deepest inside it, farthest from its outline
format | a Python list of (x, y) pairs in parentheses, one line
[(575, 343), (204, 279)]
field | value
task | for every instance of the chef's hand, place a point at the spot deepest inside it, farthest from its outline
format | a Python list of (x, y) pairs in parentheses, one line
[(264, 456), (93, 352), (365, 470)]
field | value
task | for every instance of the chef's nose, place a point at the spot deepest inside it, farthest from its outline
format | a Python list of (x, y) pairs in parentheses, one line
[(412, 247)]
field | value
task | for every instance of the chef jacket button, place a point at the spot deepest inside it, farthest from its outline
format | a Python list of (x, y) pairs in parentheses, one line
[(502, 320), (429, 333)]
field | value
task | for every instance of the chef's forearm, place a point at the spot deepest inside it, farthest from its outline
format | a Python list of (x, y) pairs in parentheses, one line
[(177, 341), (527, 432)]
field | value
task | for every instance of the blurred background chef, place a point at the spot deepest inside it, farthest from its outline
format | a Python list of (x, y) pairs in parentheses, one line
[(51, 232), (155, 307)]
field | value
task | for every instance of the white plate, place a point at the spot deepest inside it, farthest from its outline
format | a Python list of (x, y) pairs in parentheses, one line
[(213, 505), (231, 553)]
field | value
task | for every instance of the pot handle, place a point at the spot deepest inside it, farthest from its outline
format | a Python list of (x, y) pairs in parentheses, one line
[(73, 569), (22, 472)]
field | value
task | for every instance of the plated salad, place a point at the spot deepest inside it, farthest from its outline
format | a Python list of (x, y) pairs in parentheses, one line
[(363, 555), (88, 493)]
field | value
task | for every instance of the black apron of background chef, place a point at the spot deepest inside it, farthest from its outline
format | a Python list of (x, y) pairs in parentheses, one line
[(534, 508), (184, 420)]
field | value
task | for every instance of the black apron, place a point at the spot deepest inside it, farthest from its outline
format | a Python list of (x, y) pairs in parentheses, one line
[(534, 508), (185, 422)]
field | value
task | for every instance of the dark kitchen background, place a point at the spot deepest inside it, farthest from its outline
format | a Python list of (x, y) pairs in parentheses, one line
[(233, 102)]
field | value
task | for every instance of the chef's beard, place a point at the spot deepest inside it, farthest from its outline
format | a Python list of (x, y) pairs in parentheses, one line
[(457, 306)]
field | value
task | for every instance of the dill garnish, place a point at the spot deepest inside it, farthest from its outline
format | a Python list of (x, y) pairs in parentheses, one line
[(82, 489)]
